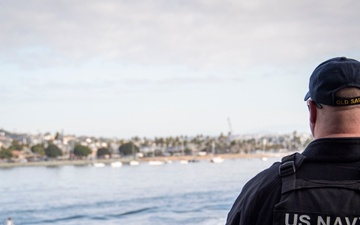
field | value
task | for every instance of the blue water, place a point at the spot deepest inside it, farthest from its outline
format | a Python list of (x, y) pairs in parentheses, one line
[(195, 193)]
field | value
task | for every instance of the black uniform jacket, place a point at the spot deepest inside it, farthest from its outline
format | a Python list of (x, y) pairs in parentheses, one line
[(327, 158)]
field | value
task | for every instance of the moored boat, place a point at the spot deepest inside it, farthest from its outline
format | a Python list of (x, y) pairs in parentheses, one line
[(116, 164), (134, 163), (98, 164), (156, 163), (217, 160)]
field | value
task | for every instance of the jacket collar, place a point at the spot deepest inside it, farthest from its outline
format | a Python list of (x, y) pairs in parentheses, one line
[(333, 150)]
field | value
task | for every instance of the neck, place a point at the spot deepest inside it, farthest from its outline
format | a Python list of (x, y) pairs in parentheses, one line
[(338, 136), (332, 122)]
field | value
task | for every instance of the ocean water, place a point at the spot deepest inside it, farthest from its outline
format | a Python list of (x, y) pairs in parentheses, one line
[(195, 193)]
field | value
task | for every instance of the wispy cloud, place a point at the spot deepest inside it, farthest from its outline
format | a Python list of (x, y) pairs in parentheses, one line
[(166, 59), (198, 33)]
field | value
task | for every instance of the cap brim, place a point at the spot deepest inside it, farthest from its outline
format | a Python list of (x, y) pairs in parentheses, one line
[(307, 96)]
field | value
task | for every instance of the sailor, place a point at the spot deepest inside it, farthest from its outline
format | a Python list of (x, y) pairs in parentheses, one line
[(326, 172)]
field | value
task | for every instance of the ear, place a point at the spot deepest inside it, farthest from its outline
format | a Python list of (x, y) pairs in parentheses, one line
[(313, 116), (312, 111)]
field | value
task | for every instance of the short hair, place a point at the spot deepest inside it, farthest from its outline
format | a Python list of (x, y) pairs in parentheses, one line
[(350, 92)]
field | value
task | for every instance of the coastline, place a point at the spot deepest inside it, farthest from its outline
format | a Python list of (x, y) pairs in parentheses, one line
[(87, 162)]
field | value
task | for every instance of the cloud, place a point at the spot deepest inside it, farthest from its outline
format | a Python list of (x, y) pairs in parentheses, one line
[(201, 34), (47, 87)]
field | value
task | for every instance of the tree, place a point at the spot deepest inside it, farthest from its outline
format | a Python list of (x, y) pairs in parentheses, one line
[(53, 151), (128, 149), (5, 154), (15, 145), (101, 152), (82, 151), (38, 149)]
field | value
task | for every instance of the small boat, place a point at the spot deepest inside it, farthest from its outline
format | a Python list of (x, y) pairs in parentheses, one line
[(194, 161), (217, 160), (116, 164), (184, 161), (134, 163), (156, 163), (99, 164)]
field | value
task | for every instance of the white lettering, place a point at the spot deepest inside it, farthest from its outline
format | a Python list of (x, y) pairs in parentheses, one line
[(305, 219), (353, 222), (320, 221), (294, 220), (337, 221)]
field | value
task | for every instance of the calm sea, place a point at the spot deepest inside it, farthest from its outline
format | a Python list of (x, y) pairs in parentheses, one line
[(194, 193)]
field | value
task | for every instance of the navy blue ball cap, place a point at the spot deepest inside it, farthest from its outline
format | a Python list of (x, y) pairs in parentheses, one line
[(331, 76)]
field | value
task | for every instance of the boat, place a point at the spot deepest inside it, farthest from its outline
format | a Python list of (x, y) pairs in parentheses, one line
[(217, 160), (134, 163), (98, 164), (194, 161), (116, 164), (156, 163), (184, 161)]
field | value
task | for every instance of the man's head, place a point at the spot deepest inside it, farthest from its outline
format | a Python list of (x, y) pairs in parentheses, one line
[(334, 98), (332, 76)]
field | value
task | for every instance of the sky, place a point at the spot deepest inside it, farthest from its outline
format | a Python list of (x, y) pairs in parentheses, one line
[(125, 68)]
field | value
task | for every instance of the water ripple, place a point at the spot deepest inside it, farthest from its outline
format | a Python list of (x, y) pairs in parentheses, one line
[(132, 212)]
